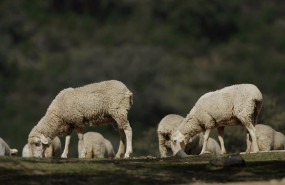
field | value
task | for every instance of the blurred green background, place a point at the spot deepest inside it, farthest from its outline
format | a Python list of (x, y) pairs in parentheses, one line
[(167, 52)]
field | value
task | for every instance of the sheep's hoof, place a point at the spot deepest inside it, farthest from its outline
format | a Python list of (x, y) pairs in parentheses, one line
[(63, 156), (253, 152), (127, 156), (206, 152), (82, 156)]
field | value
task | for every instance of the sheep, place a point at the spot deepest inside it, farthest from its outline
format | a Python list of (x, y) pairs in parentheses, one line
[(97, 146), (53, 150), (5, 149), (268, 139), (234, 105), (95, 104), (168, 125), (279, 141), (195, 145)]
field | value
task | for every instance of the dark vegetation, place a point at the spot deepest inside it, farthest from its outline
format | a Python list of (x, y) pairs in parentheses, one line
[(168, 53), (259, 168)]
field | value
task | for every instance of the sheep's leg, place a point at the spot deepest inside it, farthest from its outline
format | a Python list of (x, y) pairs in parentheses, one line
[(67, 141), (81, 147), (253, 140), (89, 155), (49, 151), (122, 143), (221, 139), (129, 135), (162, 147), (247, 118), (122, 123), (248, 143), (206, 137)]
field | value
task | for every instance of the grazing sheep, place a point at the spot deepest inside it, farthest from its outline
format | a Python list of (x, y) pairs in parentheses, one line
[(97, 146), (268, 139), (5, 149), (168, 125), (95, 104), (230, 106), (52, 150)]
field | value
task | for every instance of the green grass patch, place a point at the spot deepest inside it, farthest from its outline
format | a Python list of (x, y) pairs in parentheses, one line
[(259, 167)]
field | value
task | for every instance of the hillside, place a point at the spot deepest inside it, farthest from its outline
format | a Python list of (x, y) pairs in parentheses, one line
[(168, 54)]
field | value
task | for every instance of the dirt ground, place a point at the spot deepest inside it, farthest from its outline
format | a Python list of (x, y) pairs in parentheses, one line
[(260, 168)]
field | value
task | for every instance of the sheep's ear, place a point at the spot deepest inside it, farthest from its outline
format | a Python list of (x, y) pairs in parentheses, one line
[(190, 140), (44, 140)]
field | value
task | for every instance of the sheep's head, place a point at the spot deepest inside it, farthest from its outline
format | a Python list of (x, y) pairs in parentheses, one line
[(178, 141), (37, 145), (13, 151)]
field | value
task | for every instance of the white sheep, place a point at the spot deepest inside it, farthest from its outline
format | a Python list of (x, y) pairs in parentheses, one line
[(5, 149), (52, 150), (97, 146), (230, 106), (279, 141), (268, 139), (95, 104), (193, 146), (166, 126)]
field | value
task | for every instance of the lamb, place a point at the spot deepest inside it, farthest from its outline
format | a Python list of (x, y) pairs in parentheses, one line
[(195, 145), (279, 141), (168, 125), (52, 150), (97, 146), (268, 139), (5, 149), (95, 104), (234, 105)]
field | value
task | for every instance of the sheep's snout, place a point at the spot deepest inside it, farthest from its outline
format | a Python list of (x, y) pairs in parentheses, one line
[(177, 142)]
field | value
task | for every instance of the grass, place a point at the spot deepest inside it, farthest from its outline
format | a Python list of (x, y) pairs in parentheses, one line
[(259, 167)]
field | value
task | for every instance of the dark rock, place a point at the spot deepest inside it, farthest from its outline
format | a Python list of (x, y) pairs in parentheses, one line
[(181, 154), (228, 161)]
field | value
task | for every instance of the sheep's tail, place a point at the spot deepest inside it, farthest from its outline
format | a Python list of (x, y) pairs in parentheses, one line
[(130, 95)]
